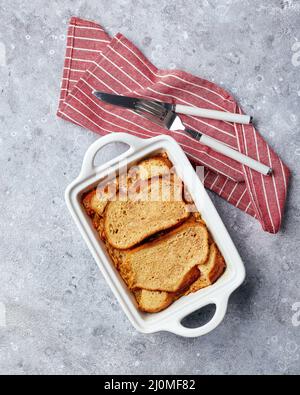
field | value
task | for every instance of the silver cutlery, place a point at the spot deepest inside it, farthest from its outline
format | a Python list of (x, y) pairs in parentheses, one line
[(163, 115), (130, 102)]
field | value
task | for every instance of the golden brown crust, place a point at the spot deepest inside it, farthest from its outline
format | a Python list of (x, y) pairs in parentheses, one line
[(151, 209), (156, 166), (155, 299), (152, 266), (209, 272), (86, 201)]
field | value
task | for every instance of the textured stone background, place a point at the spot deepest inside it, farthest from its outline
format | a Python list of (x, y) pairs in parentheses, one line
[(61, 317)]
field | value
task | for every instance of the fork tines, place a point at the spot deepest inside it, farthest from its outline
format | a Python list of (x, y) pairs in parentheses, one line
[(153, 108), (153, 118)]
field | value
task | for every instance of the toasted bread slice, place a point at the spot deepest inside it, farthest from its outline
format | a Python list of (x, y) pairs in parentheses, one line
[(153, 167), (156, 206), (153, 301), (210, 271), (173, 280), (96, 201), (170, 263), (147, 301)]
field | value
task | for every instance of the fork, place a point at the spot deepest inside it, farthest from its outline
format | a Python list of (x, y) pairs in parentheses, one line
[(168, 119)]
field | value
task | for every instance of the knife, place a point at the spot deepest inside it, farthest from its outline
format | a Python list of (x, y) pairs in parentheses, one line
[(164, 115), (135, 103)]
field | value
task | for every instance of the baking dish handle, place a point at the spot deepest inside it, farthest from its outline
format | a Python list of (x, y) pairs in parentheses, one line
[(177, 328), (88, 166)]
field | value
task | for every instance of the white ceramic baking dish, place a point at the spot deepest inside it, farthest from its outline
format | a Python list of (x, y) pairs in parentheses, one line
[(170, 319)]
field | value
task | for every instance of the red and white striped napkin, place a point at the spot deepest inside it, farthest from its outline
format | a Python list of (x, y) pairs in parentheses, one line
[(95, 61)]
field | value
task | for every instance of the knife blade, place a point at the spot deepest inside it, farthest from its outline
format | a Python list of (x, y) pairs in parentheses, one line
[(121, 101), (129, 102), (161, 108)]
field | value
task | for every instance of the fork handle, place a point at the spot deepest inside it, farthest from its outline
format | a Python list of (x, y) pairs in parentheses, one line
[(213, 114), (230, 152)]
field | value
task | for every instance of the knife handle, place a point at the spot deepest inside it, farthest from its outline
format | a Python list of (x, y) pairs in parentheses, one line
[(213, 114), (231, 153)]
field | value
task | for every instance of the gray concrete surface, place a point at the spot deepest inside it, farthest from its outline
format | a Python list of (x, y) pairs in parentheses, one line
[(57, 315)]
